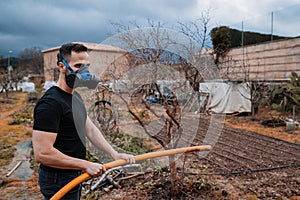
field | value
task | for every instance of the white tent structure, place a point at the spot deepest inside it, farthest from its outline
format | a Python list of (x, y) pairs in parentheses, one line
[(227, 98)]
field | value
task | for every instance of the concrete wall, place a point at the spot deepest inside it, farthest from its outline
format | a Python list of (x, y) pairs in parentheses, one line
[(271, 61)]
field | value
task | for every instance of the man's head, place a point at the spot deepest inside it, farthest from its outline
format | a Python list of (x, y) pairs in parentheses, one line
[(73, 62), (65, 51)]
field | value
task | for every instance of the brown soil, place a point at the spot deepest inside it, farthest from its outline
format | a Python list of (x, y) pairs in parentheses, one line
[(249, 161), (11, 135), (242, 165), (254, 124)]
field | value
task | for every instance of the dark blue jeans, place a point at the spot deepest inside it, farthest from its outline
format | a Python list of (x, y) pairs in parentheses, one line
[(51, 182)]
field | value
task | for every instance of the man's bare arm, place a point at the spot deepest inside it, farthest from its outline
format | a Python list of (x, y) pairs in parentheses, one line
[(45, 153), (97, 138)]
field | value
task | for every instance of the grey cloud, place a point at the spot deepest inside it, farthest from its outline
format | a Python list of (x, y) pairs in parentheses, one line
[(48, 23)]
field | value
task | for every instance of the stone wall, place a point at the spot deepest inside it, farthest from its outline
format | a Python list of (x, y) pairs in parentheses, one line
[(270, 61)]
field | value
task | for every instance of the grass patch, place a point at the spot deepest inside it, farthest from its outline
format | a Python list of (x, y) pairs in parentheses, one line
[(128, 143), (122, 143), (23, 116), (6, 152)]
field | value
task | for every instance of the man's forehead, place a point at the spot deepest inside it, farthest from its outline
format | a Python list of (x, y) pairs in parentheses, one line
[(79, 56)]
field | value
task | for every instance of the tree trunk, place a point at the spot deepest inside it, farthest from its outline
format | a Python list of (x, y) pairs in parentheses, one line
[(173, 176)]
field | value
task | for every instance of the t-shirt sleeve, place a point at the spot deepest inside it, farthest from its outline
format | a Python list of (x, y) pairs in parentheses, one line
[(47, 114)]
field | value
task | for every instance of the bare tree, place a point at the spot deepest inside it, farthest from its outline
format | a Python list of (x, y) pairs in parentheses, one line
[(31, 60), (4, 83), (6, 80), (156, 57)]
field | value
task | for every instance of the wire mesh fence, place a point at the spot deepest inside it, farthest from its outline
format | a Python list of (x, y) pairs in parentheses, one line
[(282, 22)]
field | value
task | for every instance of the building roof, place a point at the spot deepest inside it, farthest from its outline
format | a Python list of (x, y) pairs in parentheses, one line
[(92, 46)]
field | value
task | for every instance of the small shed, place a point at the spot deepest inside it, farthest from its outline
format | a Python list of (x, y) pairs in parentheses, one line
[(101, 56)]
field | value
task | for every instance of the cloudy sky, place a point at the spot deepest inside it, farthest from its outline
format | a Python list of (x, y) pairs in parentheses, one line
[(49, 23)]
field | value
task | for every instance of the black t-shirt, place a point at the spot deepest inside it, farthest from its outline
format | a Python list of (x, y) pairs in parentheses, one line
[(64, 114)]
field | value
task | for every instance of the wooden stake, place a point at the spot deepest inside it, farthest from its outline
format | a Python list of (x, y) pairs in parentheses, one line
[(13, 169)]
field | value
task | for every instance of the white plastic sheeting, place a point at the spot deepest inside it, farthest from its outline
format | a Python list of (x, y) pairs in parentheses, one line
[(49, 84), (28, 87), (227, 97)]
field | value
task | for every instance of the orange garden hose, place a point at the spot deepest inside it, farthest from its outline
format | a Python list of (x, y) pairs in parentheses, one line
[(64, 190)]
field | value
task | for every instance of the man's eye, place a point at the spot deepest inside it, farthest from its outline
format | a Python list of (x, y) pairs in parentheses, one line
[(79, 65)]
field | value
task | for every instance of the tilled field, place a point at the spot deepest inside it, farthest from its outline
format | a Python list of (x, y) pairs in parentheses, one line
[(241, 165), (266, 167)]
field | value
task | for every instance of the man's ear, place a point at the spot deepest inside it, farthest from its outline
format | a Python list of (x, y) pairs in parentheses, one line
[(61, 66)]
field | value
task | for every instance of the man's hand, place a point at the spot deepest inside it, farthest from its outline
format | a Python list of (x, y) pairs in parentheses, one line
[(128, 157), (95, 169)]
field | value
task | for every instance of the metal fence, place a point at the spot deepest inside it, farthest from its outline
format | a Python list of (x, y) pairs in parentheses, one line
[(283, 22)]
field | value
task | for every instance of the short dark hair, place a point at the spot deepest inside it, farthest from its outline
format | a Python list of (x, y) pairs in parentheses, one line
[(66, 49)]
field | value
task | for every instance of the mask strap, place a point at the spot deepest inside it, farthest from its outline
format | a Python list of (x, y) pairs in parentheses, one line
[(65, 63)]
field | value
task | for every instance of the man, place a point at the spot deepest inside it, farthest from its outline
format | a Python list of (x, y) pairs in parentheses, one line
[(61, 126)]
